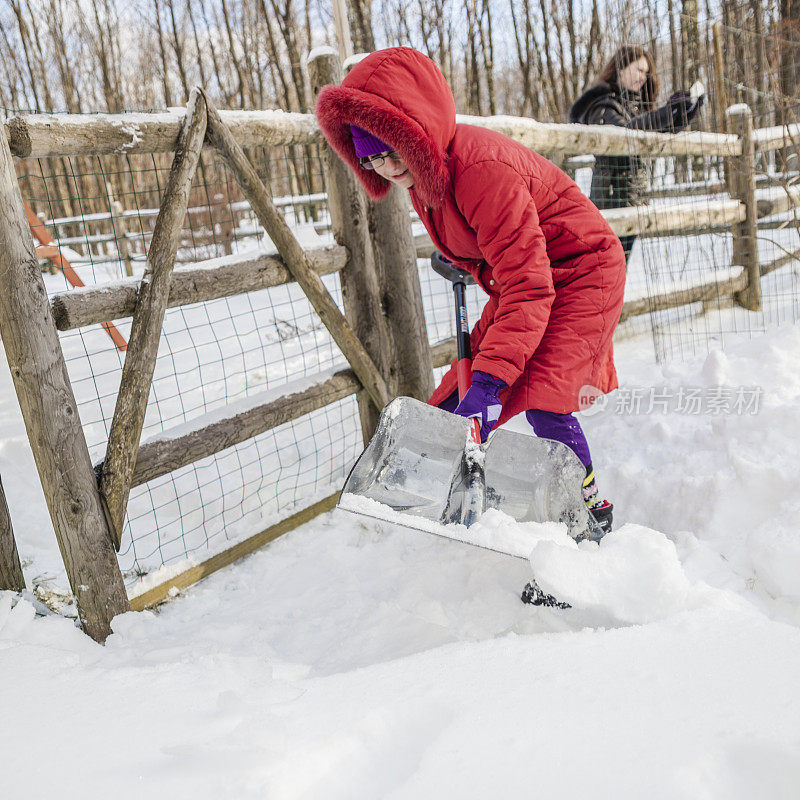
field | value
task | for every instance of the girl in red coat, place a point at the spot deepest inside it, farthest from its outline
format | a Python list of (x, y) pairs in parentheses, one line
[(551, 265)]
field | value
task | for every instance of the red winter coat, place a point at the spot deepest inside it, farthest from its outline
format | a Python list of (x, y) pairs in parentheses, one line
[(551, 265)]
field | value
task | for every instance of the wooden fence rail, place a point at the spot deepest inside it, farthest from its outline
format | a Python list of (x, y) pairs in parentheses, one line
[(204, 281), (64, 135), (245, 419), (48, 135)]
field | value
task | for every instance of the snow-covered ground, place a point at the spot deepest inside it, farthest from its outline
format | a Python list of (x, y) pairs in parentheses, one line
[(356, 659)]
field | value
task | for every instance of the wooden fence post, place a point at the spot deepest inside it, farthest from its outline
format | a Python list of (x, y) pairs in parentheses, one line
[(42, 217), (401, 296), (347, 204), (742, 183), (400, 293), (51, 417), (221, 224), (11, 576), (720, 99)]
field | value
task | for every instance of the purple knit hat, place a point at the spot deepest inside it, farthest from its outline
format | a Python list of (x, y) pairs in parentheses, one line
[(366, 144)]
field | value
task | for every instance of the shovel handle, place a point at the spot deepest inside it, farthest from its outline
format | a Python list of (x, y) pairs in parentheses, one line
[(464, 369), (460, 278), (464, 365)]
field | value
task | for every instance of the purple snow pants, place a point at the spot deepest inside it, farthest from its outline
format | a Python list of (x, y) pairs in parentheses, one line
[(563, 428)]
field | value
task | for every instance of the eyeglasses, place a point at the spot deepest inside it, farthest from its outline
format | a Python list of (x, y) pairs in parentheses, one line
[(370, 162)]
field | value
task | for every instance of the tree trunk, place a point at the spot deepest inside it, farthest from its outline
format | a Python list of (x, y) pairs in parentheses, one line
[(177, 46), (361, 25), (163, 52)]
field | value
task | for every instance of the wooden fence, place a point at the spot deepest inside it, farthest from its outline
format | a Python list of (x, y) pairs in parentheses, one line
[(385, 344)]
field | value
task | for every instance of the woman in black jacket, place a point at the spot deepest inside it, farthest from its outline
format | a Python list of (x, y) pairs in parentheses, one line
[(625, 95)]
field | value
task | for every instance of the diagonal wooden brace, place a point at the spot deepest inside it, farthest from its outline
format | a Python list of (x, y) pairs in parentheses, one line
[(296, 259), (148, 318)]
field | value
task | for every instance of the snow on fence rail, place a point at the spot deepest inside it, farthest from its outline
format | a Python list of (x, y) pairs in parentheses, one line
[(382, 333), (47, 135)]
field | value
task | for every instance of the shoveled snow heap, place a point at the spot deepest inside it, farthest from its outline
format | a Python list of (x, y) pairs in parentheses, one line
[(355, 659)]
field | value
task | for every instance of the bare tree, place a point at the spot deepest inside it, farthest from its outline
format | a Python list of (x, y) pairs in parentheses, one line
[(57, 30), (162, 49), (199, 50), (232, 53), (287, 25), (178, 47), (227, 94), (790, 51), (360, 16), (22, 26), (690, 39), (487, 52)]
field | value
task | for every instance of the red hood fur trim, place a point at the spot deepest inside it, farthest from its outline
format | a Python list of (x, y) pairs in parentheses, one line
[(340, 106)]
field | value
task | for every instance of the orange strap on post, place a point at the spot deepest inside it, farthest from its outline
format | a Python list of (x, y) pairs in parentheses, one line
[(50, 250)]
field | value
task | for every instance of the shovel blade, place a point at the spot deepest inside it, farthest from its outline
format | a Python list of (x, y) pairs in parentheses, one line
[(411, 459), (415, 464), (536, 480)]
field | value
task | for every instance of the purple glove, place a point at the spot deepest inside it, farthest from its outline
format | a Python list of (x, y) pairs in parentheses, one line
[(481, 401)]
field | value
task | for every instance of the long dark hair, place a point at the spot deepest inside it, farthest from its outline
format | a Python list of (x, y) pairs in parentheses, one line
[(624, 56)]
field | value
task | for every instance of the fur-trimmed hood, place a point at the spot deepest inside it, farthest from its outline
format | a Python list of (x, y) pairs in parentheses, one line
[(400, 96)]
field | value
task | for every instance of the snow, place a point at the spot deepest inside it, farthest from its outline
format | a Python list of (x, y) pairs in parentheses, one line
[(355, 661), (351, 61), (355, 657), (323, 50), (789, 132), (129, 129), (633, 577), (494, 530)]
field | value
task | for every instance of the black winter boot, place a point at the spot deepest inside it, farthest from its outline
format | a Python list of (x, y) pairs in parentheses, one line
[(535, 596)]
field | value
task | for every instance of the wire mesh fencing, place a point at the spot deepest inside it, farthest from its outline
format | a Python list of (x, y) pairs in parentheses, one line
[(214, 355)]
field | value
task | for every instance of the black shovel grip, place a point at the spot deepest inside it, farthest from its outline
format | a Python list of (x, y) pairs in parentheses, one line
[(449, 271), (460, 279)]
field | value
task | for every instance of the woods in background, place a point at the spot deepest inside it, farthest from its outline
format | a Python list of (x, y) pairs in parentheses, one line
[(521, 57)]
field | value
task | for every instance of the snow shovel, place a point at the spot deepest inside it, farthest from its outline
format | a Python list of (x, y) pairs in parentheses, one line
[(425, 468)]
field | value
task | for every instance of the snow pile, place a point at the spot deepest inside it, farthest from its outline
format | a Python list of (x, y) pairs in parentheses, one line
[(361, 661), (719, 480), (774, 549), (634, 575)]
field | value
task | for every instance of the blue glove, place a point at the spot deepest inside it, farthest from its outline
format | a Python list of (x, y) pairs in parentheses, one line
[(481, 401)]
